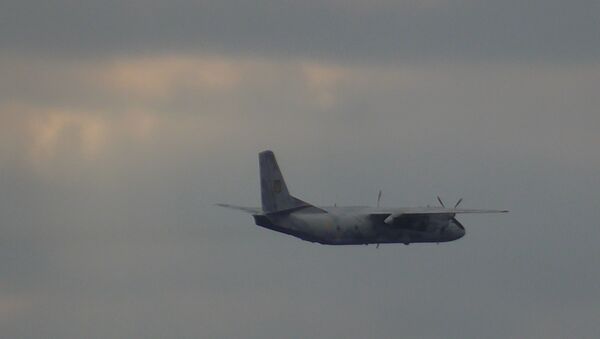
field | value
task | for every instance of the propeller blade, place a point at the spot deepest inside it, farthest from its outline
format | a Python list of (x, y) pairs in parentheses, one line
[(441, 202), (378, 198), (458, 203)]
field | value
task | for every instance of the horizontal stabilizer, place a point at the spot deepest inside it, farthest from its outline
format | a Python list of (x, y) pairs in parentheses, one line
[(252, 210)]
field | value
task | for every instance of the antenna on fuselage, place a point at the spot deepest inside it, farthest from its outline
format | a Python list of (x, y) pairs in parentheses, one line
[(378, 198)]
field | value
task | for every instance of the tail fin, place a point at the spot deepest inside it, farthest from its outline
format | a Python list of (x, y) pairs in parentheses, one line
[(274, 193)]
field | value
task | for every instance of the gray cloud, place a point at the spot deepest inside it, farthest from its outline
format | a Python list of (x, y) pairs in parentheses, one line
[(122, 122), (385, 30), (121, 240)]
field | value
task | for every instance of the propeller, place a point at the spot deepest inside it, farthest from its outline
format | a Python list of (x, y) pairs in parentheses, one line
[(458, 203), (455, 205), (440, 200), (378, 198)]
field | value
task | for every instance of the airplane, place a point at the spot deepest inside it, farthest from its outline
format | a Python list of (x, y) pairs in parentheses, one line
[(356, 225)]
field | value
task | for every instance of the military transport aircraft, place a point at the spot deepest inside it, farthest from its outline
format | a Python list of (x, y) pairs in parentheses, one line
[(349, 225)]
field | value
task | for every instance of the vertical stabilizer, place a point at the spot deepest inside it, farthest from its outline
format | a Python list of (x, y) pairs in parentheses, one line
[(274, 193)]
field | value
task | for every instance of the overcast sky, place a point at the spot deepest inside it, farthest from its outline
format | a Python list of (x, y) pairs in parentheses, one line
[(123, 122)]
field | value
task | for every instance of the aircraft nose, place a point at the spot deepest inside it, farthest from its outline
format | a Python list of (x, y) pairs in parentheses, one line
[(457, 229)]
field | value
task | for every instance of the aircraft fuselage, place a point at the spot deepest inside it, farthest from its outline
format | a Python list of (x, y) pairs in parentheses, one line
[(353, 225)]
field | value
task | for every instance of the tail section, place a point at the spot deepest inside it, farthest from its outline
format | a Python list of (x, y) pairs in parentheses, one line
[(275, 196)]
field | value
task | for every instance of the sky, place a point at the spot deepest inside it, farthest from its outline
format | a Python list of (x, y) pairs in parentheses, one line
[(122, 123)]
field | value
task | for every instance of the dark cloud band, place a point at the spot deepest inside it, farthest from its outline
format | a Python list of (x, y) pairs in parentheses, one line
[(473, 30)]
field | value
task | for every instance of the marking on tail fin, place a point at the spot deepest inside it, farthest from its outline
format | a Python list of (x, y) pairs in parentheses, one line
[(275, 196), (277, 186)]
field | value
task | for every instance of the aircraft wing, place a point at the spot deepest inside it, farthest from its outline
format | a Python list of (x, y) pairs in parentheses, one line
[(389, 216), (252, 210), (442, 210)]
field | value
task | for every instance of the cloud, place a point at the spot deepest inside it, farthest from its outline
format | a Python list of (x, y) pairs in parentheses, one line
[(110, 166), (91, 107), (87, 108), (46, 132), (12, 307), (322, 81), (382, 30), (49, 132), (160, 76)]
